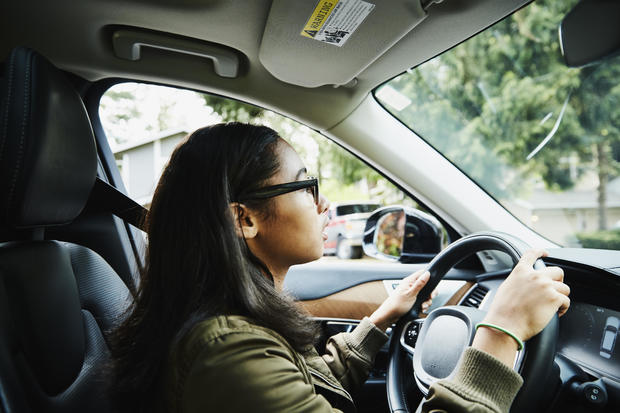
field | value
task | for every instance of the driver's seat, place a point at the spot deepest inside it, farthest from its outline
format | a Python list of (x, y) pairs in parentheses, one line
[(57, 300)]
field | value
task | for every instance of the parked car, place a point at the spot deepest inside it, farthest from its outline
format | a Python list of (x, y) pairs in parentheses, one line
[(346, 228), (469, 107)]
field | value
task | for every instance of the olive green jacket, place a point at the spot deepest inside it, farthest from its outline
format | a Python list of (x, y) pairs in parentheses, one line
[(231, 364)]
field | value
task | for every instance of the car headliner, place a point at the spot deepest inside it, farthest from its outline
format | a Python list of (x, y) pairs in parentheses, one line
[(77, 37)]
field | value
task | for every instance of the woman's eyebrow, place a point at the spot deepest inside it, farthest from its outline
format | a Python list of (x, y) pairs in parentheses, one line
[(300, 173)]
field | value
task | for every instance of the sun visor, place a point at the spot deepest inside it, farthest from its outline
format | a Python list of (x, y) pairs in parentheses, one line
[(312, 44)]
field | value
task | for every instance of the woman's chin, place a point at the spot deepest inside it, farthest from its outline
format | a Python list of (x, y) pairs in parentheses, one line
[(313, 256)]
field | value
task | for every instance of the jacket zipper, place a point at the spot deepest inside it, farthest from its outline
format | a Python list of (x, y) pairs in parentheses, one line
[(329, 383)]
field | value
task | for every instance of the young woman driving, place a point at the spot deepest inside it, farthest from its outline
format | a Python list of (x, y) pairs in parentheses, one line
[(211, 329)]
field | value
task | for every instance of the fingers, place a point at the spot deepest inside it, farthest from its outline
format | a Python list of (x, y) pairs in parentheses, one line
[(420, 282), (564, 305), (411, 278), (564, 301), (561, 288), (555, 273), (430, 298), (529, 257), (427, 304)]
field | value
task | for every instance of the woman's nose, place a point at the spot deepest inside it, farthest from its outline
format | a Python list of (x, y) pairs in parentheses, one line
[(323, 204)]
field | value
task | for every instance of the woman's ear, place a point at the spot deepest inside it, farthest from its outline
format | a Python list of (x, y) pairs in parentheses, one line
[(246, 223)]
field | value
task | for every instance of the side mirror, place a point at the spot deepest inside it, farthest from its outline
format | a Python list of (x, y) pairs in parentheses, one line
[(398, 233), (590, 32)]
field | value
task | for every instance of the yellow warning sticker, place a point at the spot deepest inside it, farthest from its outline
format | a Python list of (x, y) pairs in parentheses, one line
[(318, 18), (334, 21)]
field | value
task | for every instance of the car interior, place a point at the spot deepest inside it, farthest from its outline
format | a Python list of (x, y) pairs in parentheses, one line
[(70, 240)]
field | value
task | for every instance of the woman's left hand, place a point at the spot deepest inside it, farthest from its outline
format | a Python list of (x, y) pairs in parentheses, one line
[(401, 300)]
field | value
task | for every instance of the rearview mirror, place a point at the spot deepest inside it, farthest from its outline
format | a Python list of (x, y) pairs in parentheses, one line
[(590, 32), (398, 233)]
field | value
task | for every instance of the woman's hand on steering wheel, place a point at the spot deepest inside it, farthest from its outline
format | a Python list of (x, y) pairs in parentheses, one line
[(402, 299), (524, 304)]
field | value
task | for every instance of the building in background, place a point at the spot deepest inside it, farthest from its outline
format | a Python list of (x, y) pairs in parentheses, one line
[(142, 162), (563, 214)]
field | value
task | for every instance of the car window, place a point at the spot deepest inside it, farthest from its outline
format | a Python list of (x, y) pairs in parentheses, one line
[(144, 123), (538, 136)]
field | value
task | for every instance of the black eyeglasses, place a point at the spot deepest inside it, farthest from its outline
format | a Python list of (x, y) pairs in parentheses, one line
[(275, 190)]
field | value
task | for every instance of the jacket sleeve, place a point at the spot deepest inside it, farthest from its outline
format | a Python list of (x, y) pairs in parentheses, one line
[(350, 356), (475, 386), (247, 372)]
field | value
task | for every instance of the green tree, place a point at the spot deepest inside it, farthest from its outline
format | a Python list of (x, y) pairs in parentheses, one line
[(119, 107), (492, 100), (233, 110), (599, 114)]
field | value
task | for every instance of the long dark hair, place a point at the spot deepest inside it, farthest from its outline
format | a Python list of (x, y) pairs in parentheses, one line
[(196, 264)]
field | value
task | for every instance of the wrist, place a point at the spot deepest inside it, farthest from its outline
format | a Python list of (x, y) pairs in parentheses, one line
[(508, 323), (496, 343), (380, 319), (503, 330)]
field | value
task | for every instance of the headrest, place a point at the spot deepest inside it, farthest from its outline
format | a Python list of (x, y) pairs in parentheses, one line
[(48, 159)]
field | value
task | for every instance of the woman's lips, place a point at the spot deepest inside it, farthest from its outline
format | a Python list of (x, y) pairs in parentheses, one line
[(324, 236)]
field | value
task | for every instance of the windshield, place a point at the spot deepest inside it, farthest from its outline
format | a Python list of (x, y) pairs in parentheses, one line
[(541, 138)]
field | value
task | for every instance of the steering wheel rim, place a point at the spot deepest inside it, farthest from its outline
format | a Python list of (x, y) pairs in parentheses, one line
[(537, 360)]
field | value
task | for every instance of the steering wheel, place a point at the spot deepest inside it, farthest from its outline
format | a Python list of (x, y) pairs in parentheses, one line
[(447, 331)]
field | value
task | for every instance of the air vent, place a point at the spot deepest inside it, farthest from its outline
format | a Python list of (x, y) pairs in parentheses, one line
[(475, 296)]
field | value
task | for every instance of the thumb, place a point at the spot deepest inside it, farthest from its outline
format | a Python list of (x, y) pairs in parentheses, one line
[(529, 257)]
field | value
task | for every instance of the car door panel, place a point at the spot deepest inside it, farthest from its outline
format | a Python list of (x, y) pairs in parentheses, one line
[(361, 300), (325, 277)]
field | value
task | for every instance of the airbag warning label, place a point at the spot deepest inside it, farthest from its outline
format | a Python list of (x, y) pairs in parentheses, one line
[(335, 21)]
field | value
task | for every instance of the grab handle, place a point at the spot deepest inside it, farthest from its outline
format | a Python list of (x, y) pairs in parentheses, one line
[(128, 44)]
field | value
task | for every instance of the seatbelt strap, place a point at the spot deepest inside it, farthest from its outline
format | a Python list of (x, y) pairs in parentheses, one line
[(105, 197)]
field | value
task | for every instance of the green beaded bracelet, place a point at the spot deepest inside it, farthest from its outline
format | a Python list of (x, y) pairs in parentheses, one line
[(503, 330)]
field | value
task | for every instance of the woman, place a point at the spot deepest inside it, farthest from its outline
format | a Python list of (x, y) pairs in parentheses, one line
[(211, 330)]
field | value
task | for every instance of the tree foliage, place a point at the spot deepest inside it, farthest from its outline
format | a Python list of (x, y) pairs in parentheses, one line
[(491, 101), (233, 110)]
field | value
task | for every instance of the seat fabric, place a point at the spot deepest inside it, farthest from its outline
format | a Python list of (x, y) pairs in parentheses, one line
[(59, 307), (58, 300)]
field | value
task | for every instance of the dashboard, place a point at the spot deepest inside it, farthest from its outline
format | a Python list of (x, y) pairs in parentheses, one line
[(589, 336), (588, 349)]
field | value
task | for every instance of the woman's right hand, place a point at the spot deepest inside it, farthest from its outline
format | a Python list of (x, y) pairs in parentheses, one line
[(524, 304), (528, 298)]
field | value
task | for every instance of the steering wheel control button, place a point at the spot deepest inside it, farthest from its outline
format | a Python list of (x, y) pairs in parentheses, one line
[(409, 335), (412, 332), (593, 392)]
